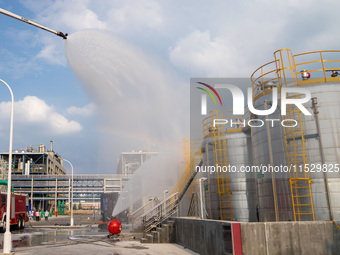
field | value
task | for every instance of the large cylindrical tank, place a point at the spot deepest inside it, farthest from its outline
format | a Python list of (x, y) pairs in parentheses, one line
[(324, 186), (328, 105), (242, 185), (259, 136)]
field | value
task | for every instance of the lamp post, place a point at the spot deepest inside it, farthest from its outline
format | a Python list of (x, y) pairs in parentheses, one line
[(7, 236), (94, 209), (201, 196), (164, 196), (72, 221)]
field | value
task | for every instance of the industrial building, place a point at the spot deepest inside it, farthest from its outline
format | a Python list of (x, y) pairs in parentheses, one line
[(27, 165), (41, 175), (35, 160), (129, 162), (45, 191)]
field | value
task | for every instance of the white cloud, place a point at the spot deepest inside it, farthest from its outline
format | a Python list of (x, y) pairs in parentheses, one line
[(34, 115), (68, 16), (200, 54), (135, 15), (85, 111), (250, 29)]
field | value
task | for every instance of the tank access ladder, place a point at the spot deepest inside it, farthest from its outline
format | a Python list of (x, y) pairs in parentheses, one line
[(300, 183), (220, 158)]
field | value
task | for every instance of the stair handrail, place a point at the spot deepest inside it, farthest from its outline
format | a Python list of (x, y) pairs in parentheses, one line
[(160, 213)]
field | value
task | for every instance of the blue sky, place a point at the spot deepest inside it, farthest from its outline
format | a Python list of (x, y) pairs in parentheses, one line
[(186, 39)]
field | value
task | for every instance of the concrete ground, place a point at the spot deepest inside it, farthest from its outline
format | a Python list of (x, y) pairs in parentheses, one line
[(104, 248), (85, 238)]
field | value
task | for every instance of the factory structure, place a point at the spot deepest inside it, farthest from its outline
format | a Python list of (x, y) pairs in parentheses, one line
[(41, 174), (306, 154), (129, 162), (266, 183), (36, 160)]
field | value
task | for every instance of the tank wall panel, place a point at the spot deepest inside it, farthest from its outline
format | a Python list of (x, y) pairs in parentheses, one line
[(242, 185), (329, 118)]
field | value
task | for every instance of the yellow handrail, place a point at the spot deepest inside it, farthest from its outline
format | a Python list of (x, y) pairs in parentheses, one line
[(319, 67), (334, 223), (260, 81)]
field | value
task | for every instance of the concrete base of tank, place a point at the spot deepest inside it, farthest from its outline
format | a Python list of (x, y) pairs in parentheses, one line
[(222, 237)]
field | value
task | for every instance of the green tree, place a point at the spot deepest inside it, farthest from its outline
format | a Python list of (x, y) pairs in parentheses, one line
[(79, 206)]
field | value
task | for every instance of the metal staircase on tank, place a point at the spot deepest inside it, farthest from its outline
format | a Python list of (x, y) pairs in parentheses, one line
[(300, 183), (220, 159), (167, 208), (187, 168), (298, 176), (195, 157), (192, 157)]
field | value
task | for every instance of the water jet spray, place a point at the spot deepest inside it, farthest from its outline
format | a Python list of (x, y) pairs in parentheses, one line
[(10, 14)]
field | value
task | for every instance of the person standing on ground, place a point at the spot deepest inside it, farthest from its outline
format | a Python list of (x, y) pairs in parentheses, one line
[(37, 215), (46, 215)]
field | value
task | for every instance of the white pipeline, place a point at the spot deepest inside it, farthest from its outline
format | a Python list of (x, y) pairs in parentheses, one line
[(10, 14)]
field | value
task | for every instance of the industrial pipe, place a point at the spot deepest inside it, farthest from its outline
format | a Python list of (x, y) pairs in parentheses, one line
[(181, 195), (271, 161), (316, 115), (10, 14), (201, 197)]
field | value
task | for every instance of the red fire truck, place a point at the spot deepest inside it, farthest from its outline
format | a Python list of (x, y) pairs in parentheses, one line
[(19, 210)]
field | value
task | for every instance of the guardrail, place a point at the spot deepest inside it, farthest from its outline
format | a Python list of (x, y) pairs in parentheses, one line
[(76, 176), (136, 216), (161, 212), (296, 70), (321, 66)]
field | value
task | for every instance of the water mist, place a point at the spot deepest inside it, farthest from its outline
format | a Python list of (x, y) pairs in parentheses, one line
[(138, 103)]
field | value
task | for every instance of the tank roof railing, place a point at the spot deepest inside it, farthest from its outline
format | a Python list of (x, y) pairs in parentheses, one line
[(321, 65), (309, 68), (264, 78)]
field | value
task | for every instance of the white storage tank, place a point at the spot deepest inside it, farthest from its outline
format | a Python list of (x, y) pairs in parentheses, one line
[(318, 73), (242, 185)]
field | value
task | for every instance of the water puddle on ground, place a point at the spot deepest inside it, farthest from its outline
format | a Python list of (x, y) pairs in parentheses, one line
[(36, 237)]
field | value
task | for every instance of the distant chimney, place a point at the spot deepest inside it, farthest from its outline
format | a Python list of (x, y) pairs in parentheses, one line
[(51, 147), (41, 148)]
